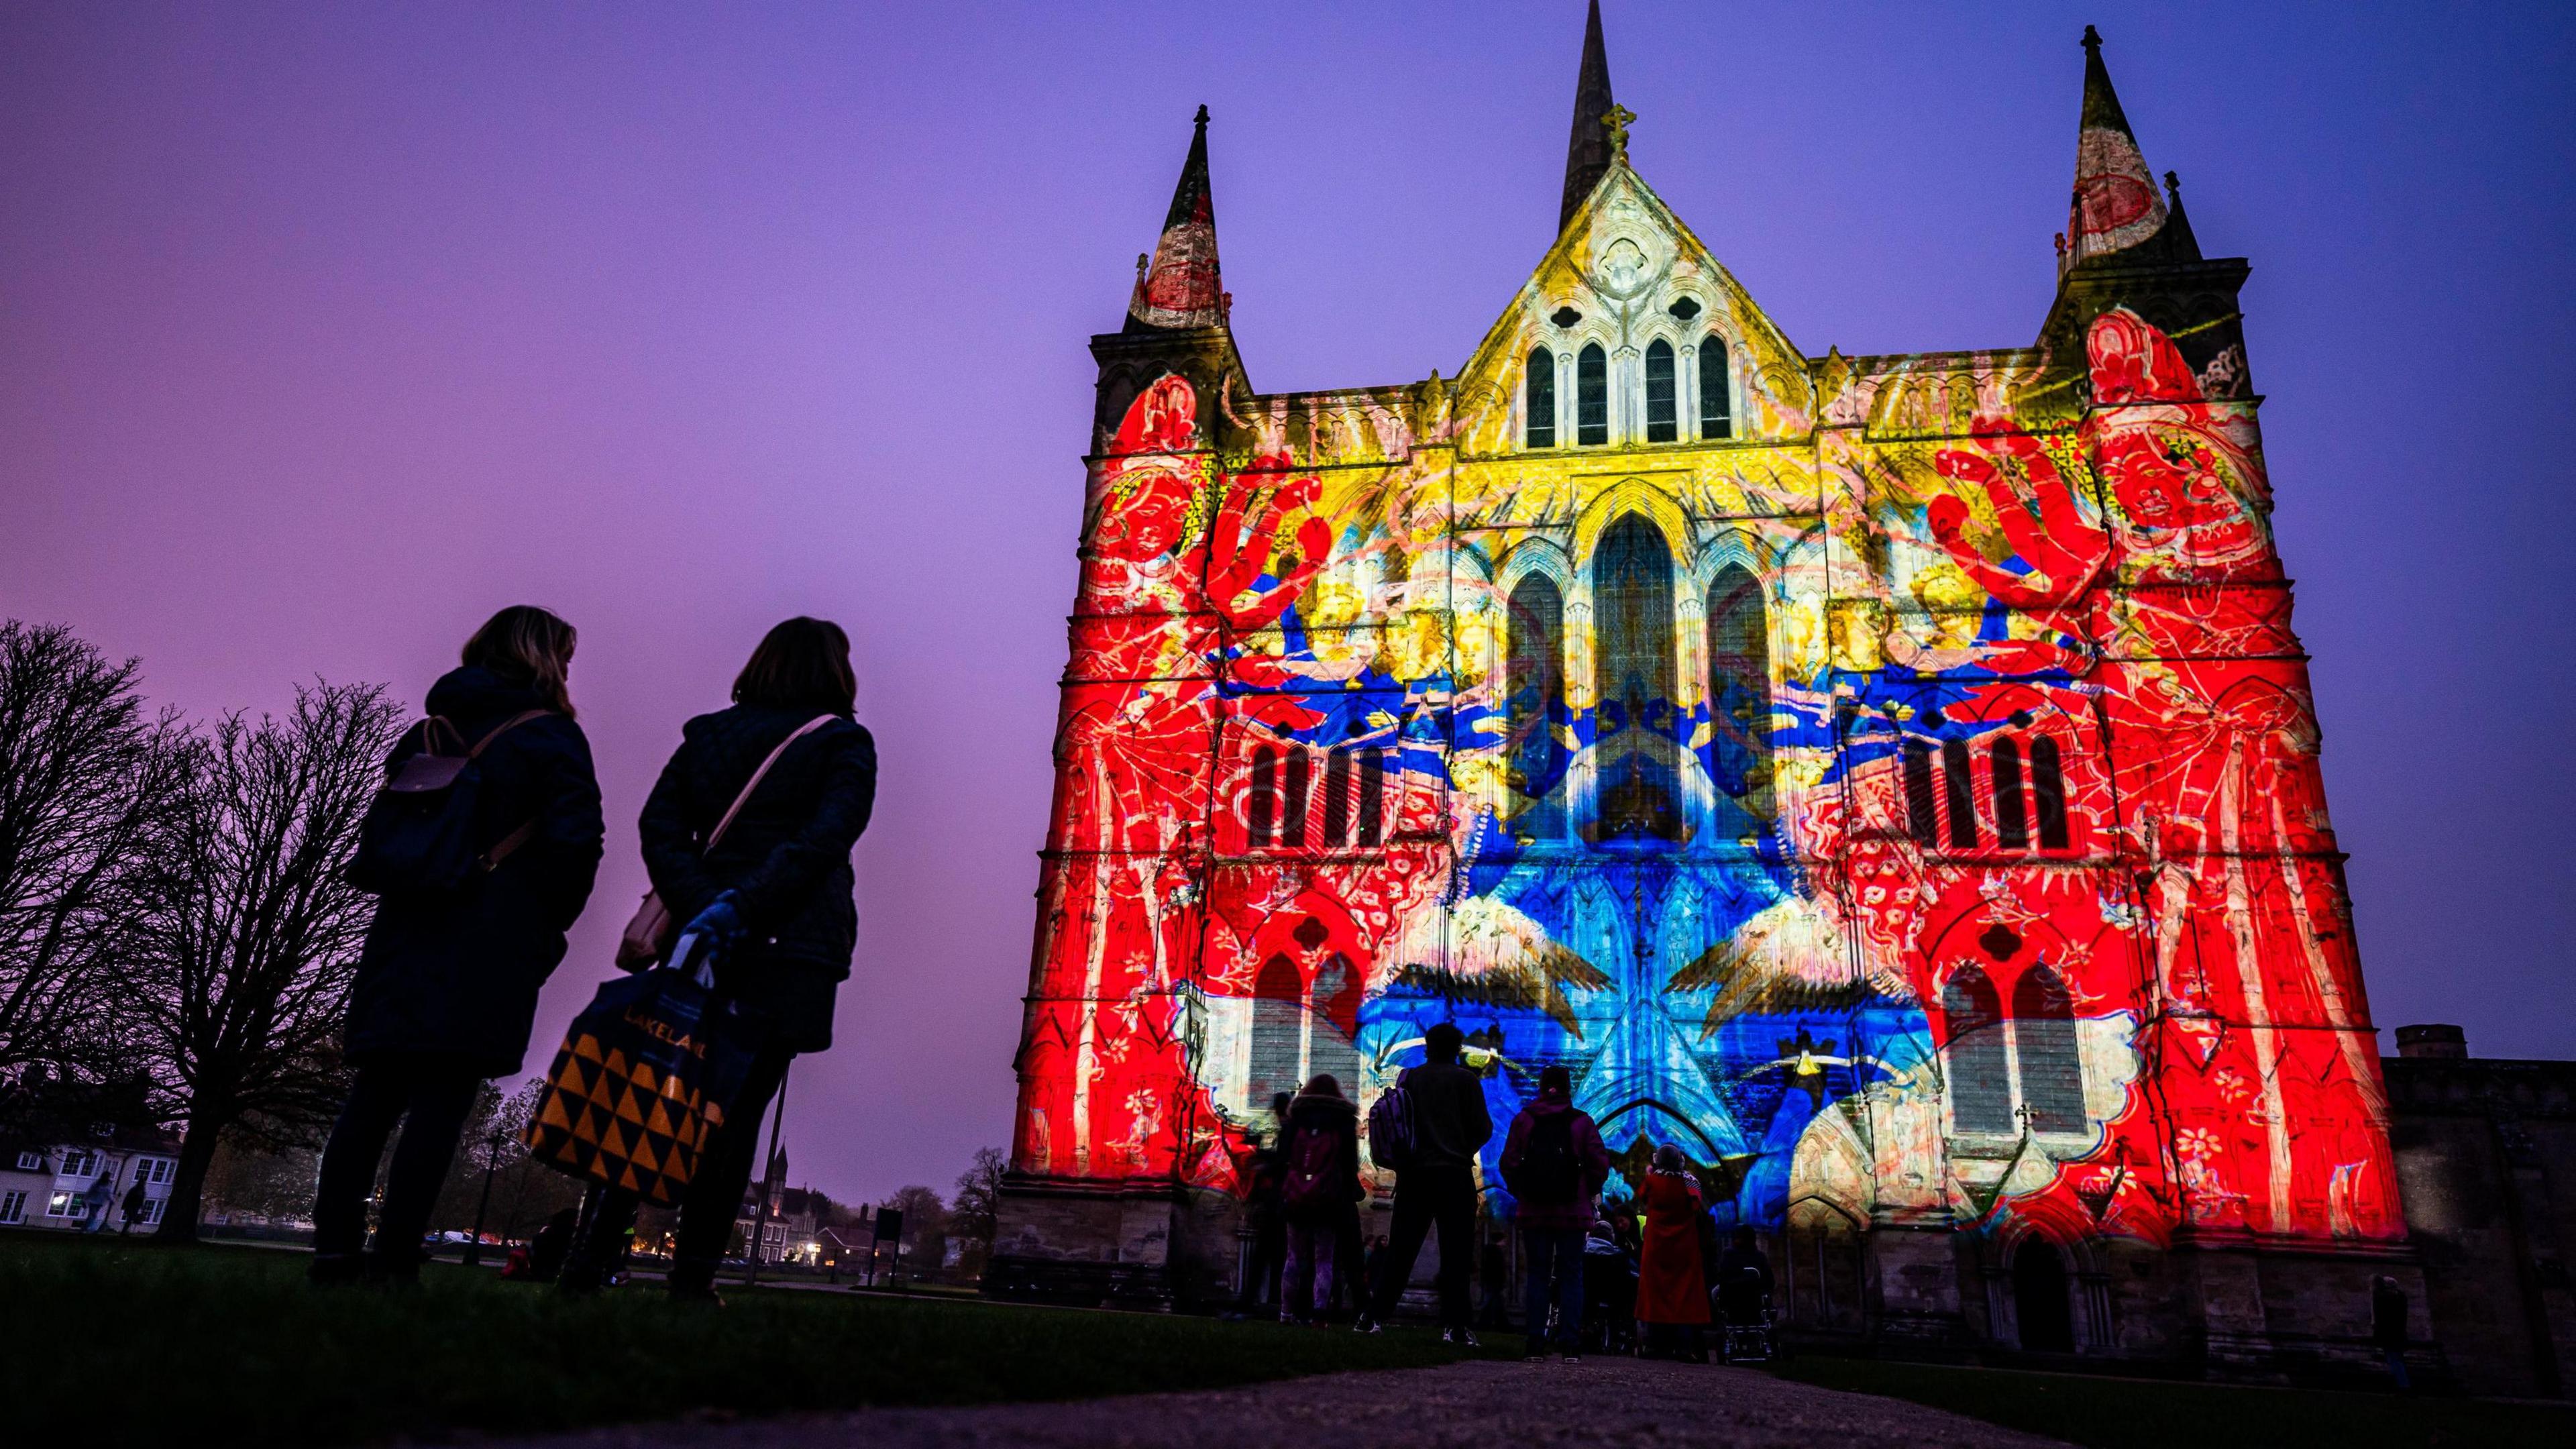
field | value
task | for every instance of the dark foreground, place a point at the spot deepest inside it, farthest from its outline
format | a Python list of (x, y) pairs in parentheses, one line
[(1601, 1403), (124, 1344)]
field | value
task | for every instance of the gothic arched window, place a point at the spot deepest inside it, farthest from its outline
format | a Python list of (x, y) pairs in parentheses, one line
[(1261, 812), (1337, 797), (1538, 399), (1292, 820), (1959, 792), (1922, 808), (1278, 1031), (2052, 1070), (1739, 699), (1663, 422), (2012, 822), (1372, 797), (2048, 790), (1980, 1081), (1591, 396), (1632, 608), (1535, 635), (1716, 369)]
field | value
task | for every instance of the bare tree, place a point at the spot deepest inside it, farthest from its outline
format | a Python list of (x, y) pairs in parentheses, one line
[(974, 1209), (86, 776), (248, 937)]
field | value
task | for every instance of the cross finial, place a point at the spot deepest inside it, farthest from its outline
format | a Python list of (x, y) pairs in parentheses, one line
[(1616, 122)]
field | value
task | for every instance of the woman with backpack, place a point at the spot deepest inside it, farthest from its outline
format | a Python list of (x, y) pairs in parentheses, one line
[(1320, 1144), (482, 849), (1554, 1162), (790, 778)]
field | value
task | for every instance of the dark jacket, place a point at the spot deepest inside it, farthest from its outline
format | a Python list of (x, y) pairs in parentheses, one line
[(1450, 1125), (459, 976), (2388, 1315), (1337, 1120), (1591, 1159), (786, 858)]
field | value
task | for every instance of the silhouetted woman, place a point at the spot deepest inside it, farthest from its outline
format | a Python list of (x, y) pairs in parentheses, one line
[(774, 896), (447, 981)]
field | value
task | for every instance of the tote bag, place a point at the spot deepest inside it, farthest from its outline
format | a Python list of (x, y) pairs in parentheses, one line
[(640, 1084)]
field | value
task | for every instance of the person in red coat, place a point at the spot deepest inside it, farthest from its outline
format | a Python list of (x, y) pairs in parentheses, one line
[(1672, 1289)]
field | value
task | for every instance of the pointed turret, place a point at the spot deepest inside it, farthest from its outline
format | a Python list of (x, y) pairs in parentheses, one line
[(1588, 152), (2177, 233), (2115, 206), (1178, 286)]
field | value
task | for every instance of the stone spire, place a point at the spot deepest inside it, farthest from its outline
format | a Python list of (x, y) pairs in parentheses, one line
[(1588, 153), (2115, 205), (1178, 286)]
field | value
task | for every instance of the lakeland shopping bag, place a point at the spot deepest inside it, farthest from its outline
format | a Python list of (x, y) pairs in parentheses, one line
[(643, 1078)]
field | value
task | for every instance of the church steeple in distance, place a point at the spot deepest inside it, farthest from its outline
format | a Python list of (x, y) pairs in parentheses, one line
[(1588, 152), (2115, 206), (1178, 286)]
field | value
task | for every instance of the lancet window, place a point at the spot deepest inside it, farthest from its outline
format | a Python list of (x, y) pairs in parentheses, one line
[(1591, 396), (1538, 400), (1663, 421)]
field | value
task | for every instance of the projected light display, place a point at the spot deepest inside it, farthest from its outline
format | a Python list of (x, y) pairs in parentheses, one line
[(1891, 780)]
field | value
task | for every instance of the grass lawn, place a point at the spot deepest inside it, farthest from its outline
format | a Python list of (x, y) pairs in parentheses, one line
[(2107, 1413), (117, 1343)]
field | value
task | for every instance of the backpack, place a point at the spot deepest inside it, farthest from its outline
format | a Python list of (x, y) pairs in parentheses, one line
[(1391, 1128), (1547, 1174), (418, 834), (1311, 1160)]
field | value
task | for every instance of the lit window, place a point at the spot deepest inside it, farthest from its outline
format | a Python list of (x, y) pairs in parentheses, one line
[(2052, 1072), (1278, 1031), (1716, 418), (1539, 399), (1535, 637), (1980, 1075), (1591, 396), (66, 1204), (1663, 424), (1739, 700)]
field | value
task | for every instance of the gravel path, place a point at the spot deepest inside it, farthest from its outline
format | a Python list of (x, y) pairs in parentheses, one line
[(1603, 1403)]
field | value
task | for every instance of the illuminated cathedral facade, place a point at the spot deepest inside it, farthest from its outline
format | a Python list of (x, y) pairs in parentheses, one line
[(1890, 779)]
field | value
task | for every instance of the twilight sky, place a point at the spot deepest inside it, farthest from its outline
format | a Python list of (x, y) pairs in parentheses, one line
[(325, 330)]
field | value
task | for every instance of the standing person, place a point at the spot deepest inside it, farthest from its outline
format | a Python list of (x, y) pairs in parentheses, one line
[(1672, 1290), (2388, 1327), (1555, 1163), (136, 1201), (1261, 1211), (1437, 1187), (775, 898), (447, 981), (1320, 1145)]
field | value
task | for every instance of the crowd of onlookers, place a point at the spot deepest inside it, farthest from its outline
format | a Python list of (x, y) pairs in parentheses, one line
[(1639, 1273)]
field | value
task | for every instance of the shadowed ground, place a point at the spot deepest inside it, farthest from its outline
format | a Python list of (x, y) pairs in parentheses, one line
[(1601, 1403)]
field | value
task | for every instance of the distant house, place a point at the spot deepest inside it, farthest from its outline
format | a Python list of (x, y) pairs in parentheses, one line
[(64, 1180)]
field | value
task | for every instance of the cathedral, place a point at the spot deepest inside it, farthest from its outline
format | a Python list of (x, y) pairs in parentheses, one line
[(1891, 780)]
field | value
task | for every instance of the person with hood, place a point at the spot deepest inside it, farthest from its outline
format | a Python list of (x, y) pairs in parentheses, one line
[(1555, 1163), (1672, 1285), (2388, 1328), (1436, 1187), (447, 980), (774, 899), (1320, 1150)]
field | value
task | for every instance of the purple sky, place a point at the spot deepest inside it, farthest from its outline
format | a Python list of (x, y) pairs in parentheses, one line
[(325, 330)]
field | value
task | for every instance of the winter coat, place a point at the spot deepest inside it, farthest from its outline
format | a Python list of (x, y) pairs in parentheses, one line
[(786, 858), (1450, 1124), (1337, 1119), (1591, 1160), (459, 975), (2388, 1315), (1671, 1286)]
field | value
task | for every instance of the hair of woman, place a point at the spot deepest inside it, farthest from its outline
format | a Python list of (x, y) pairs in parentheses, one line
[(527, 645), (1668, 1158), (1324, 1085), (802, 664)]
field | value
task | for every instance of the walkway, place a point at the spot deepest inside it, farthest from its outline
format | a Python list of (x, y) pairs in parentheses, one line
[(1602, 1403)]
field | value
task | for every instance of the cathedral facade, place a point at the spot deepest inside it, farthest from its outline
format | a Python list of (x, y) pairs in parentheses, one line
[(1890, 779)]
